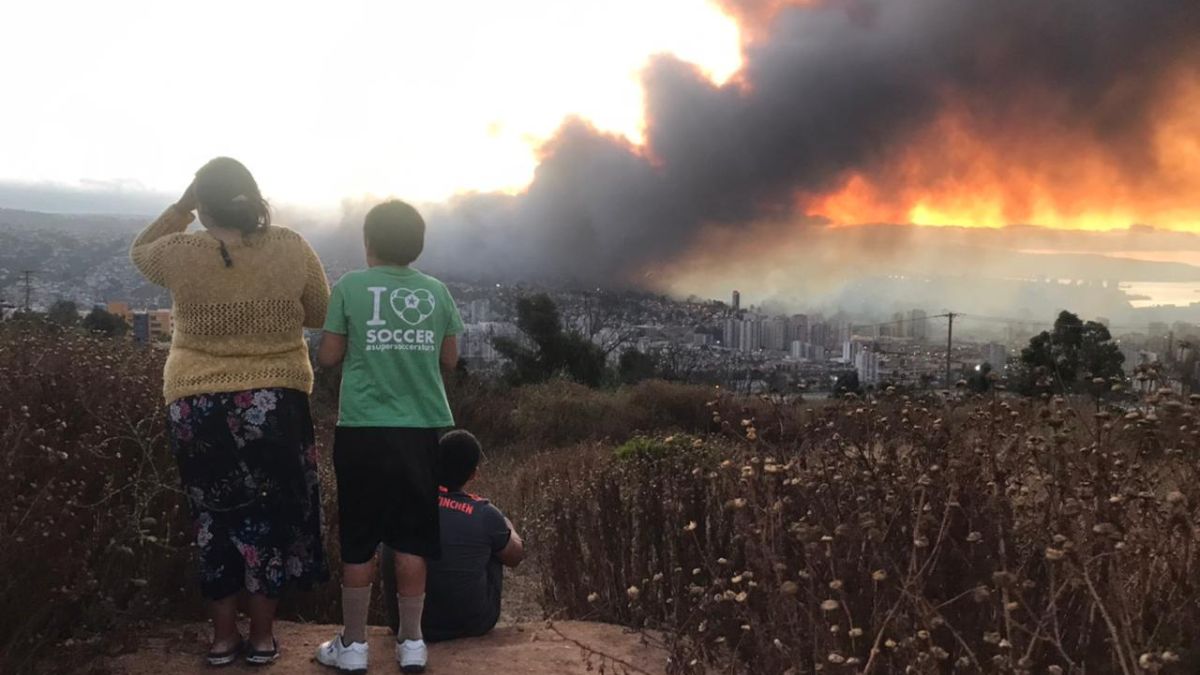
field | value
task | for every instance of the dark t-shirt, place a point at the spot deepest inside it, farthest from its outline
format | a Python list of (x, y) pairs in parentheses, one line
[(462, 591)]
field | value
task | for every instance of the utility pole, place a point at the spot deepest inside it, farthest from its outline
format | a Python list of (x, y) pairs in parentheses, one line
[(28, 286), (949, 346)]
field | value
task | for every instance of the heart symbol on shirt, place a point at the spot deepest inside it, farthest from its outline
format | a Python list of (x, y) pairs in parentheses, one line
[(412, 306)]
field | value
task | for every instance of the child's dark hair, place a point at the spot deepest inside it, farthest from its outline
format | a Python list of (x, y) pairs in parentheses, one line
[(228, 194), (458, 457), (394, 232)]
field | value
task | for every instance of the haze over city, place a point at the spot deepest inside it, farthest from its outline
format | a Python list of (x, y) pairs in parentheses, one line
[(811, 154)]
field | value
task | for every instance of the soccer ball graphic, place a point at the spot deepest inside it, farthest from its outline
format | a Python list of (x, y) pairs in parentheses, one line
[(412, 306)]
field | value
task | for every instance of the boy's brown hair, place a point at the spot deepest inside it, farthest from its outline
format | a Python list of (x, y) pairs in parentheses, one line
[(394, 232)]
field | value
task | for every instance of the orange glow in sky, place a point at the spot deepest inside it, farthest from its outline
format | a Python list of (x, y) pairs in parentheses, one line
[(956, 174)]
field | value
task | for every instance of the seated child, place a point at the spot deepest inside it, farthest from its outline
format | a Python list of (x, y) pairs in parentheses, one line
[(462, 591)]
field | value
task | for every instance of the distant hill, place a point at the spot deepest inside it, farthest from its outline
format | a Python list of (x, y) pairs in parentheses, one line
[(110, 198), (20, 220)]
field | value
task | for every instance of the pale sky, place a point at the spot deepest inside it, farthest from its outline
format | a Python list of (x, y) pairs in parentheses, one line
[(332, 99)]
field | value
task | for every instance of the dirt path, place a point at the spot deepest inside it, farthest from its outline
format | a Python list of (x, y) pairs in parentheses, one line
[(563, 648)]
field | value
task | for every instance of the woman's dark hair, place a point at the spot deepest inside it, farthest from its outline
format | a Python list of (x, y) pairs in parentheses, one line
[(228, 194), (394, 232), (458, 457)]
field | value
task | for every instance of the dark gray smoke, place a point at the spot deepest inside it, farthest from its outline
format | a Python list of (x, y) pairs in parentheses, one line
[(824, 90)]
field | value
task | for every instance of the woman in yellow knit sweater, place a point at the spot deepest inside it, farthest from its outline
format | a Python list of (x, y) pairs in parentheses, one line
[(236, 383)]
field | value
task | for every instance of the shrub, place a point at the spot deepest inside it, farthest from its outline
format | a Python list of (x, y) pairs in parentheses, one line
[(94, 532), (90, 528), (561, 413), (986, 536)]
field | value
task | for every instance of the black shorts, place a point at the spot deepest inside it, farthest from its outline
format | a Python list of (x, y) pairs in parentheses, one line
[(387, 491)]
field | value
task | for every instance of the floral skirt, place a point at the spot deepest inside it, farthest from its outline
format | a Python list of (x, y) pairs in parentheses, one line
[(247, 461)]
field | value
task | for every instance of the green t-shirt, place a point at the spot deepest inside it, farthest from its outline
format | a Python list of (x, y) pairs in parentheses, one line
[(394, 320)]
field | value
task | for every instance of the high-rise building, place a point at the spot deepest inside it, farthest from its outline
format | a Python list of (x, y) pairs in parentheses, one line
[(820, 333), (918, 325), (731, 333), (1180, 328), (862, 330), (867, 365), (737, 301), (477, 311), (477, 342), (796, 350), (750, 335), (851, 349), (798, 328), (775, 332)]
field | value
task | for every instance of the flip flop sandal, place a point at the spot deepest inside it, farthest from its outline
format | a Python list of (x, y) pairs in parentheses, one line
[(258, 657), (221, 659)]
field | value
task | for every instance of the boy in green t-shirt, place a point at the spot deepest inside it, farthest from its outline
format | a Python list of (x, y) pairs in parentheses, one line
[(393, 329)]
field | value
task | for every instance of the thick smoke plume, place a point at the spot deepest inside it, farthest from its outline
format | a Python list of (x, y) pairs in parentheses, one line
[(831, 90)]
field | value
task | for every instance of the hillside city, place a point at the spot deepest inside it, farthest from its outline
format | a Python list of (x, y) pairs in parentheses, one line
[(745, 348), (724, 342)]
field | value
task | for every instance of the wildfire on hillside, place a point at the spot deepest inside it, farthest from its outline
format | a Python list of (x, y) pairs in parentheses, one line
[(1022, 167)]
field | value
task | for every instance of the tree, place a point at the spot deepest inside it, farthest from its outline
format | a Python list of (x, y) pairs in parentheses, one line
[(1185, 366), (583, 360), (1074, 352), (64, 313), (980, 381), (550, 351), (847, 383), (678, 363), (634, 366), (103, 323)]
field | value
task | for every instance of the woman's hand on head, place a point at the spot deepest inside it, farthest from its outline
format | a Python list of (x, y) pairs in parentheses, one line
[(187, 202)]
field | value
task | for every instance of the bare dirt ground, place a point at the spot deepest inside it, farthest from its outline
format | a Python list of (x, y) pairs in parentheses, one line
[(521, 643), (543, 648)]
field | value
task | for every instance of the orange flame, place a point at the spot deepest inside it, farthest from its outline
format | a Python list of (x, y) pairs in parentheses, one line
[(961, 171)]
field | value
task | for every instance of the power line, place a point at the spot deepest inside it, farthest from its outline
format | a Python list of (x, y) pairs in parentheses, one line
[(897, 322), (1034, 322)]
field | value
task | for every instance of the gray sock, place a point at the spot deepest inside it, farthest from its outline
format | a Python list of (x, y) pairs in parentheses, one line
[(356, 602), (411, 608)]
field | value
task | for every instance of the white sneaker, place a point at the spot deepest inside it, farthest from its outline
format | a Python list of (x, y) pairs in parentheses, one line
[(350, 658), (412, 655)]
